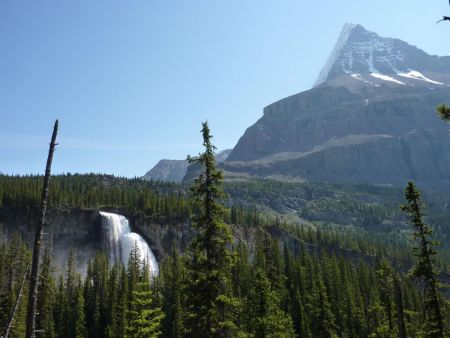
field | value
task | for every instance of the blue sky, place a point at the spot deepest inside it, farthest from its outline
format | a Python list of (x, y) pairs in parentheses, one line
[(130, 81)]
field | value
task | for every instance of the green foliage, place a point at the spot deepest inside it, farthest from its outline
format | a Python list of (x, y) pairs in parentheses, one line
[(145, 319), (312, 294), (325, 281), (262, 313), (361, 218), (158, 200), (208, 267), (46, 300), (424, 269), (323, 319), (172, 282), (14, 259), (443, 112)]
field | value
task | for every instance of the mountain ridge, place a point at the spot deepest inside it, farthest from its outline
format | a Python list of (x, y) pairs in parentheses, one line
[(359, 51), (358, 126), (175, 170)]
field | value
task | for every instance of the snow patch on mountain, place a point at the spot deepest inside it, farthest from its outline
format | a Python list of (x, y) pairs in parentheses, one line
[(358, 76), (415, 75), (386, 78), (361, 54)]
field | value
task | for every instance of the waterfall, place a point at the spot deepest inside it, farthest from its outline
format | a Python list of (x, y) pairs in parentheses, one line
[(120, 240)]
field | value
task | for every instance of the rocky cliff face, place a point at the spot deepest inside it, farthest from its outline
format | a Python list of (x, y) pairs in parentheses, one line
[(80, 230), (370, 119), (193, 170), (176, 170), (359, 51), (65, 230), (167, 171)]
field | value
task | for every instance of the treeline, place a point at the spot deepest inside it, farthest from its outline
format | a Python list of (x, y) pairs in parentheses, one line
[(94, 191), (219, 287), (171, 203), (278, 293), (164, 202)]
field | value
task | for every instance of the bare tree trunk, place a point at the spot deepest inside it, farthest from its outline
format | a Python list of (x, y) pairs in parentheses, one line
[(32, 297), (16, 306)]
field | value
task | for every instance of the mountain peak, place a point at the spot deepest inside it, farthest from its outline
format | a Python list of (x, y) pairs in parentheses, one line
[(359, 52)]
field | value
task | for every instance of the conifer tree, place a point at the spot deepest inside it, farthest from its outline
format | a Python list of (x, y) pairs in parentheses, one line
[(241, 271), (443, 112), (145, 319), (208, 281), (172, 275), (122, 303), (113, 301), (263, 315), (79, 314), (424, 269), (45, 302), (95, 296), (270, 259), (134, 274), (60, 309), (399, 308), (385, 286), (323, 320)]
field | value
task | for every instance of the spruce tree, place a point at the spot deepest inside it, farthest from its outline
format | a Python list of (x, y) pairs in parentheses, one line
[(145, 319), (263, 315), (172, 275), (79, 314), (385, 286), (424, 269), (323, 320), (60, 309), (122, 303), (45, 302), (113, 301), (443, 112), (208, 267), (399, 308)]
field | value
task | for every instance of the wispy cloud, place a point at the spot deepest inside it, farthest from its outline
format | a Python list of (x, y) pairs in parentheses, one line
[(24, 141)]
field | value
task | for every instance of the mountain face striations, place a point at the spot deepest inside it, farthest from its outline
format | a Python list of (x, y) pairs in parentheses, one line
[(167, 171), (369, 119), (175, 170), (360, 52)]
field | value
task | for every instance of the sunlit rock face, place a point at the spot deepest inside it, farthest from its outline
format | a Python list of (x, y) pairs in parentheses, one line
[(167, 171), (366, 56), (371, 118)]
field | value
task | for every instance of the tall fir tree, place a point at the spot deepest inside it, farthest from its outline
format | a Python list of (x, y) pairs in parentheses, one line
[(144, 318), (208, 267), (425, 268), (384, 274), (263, 315), (172, 273), (79, 317), (401, 326), (45, 303), (322, 318)]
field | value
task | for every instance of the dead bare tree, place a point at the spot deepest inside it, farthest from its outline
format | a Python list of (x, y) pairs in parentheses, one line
[(16, 306), (445, 18), (32, 297)]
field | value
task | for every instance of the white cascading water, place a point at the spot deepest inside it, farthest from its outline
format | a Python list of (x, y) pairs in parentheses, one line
[(121, 240)]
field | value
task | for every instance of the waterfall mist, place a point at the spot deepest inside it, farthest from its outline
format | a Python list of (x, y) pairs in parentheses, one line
[(120, 240)]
